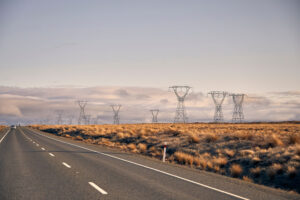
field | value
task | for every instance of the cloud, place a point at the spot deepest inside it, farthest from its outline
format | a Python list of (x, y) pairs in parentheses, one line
[(39, 105)]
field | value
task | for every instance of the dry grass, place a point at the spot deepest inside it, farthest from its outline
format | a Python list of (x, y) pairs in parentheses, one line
[(2, 127), (221, 161), (142, 147), (211, 137), (236, 170), (294, 139), (246, 178), (184, 158), (263, 153), (132, 147), (255, 171), (194, 138), (291, 171), (229, 152), (274, 141)]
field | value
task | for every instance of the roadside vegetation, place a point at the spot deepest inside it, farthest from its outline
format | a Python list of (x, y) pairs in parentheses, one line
[(263, 153), (2, 127)]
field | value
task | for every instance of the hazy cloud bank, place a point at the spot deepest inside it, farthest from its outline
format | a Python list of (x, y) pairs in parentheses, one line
[(40, 105)]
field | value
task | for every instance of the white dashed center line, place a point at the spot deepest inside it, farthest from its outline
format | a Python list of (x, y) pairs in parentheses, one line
[(51, 154), (43, 149), (97, 188), (37, 145), (65, 164)]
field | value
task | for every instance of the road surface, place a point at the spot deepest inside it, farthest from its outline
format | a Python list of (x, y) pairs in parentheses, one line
[(36, 165)]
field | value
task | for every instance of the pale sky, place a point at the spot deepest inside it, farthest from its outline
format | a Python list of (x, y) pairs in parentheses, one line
[(55, 52), (248, 46)]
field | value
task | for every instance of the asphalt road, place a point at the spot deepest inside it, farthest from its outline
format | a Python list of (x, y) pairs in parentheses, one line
[(35, 165)]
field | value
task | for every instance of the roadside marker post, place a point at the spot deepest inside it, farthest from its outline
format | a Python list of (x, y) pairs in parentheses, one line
[(165, 150)]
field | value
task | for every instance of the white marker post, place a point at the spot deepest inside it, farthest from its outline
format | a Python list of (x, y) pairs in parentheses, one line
[(165, 149)]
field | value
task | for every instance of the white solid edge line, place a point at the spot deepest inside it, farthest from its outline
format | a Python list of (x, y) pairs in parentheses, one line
[(97, 188), (144, 166), (4, 135), (65, 164), (51, 154)]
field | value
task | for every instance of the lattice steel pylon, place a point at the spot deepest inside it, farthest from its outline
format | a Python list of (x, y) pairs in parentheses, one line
[(82, 117), (116, 109), (218, 98), (181, 92), (154, 113), (59, 116), (237, 115)]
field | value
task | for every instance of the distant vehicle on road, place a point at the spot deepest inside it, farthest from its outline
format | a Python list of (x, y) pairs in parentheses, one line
[(13, 126)]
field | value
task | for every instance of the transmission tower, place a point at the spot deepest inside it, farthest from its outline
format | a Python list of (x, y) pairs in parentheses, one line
[(82, 117), (181, 92), (218, 98), (116, 109), (154, 115), (59, 116), (237, 115)]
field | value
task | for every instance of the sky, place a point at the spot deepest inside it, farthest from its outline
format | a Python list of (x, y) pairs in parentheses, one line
[(250, 47)]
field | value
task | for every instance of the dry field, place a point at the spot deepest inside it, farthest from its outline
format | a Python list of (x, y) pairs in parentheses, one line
[(266, 153), (2, 127)]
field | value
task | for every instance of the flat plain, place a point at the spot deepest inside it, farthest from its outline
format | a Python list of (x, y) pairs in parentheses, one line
[(262, 153)]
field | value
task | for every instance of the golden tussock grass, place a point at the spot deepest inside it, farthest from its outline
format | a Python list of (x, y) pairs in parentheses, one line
[(275, 141), (294, 139), (142, 147), (229, 152), (265, 153), (246, 178), (194, 138), (236, 170), (132, 147), (184, 158), (221, 161), (255, 171), (291, 171), (211, 137)]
